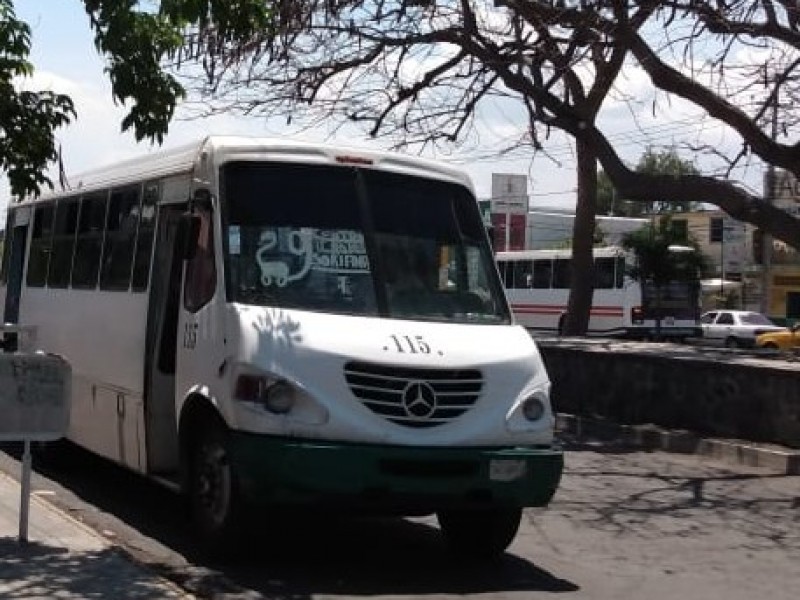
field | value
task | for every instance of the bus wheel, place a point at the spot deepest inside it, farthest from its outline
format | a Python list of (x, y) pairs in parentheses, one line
[(479, 533), (213, 491), (731, 343)]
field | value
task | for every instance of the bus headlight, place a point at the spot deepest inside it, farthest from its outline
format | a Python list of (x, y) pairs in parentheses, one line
[(531, 413), (279, 398), (276, 396), (533, 408)]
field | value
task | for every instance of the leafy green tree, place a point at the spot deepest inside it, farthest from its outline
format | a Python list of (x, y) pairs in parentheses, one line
[(136, 39), (667, 163), (27, 118), (657, 262), (653, 162)]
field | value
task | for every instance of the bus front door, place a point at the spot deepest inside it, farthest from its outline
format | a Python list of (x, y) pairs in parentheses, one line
[(161, 341)]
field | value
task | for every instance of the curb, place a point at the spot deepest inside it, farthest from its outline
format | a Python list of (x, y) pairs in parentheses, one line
[(782, 460)]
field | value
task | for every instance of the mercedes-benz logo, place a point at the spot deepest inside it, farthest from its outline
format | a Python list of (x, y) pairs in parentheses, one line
[(419, 400)]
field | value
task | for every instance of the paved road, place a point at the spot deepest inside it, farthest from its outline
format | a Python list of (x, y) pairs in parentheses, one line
[(624, 525)]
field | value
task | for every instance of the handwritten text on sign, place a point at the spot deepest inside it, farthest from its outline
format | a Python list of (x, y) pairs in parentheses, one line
[(34, 396)]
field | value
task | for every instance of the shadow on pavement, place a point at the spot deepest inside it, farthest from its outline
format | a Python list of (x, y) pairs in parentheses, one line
[(38, 571), (295, 557), (349, 556)]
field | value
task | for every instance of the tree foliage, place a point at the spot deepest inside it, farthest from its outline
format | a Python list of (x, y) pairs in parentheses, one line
[(136, 39), (653, 162), (656, 260), (659, 260), (27, 118)]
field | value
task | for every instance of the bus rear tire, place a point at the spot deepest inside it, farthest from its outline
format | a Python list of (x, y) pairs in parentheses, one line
[(214, 496), (479, 534)]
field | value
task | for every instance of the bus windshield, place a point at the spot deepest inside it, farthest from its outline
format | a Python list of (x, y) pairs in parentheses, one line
[(356, 241)]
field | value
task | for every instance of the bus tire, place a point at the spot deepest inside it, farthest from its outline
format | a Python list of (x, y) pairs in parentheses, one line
[(731, 342), (214, 496), (481, 533)]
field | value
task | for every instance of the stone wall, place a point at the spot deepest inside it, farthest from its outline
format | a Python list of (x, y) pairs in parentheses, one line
[(712, 392)]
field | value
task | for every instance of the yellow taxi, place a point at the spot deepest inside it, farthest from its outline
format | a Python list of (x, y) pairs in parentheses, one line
[(780, 340)]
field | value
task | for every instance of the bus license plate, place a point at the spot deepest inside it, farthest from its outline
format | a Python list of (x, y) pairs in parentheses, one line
[(506, 470), (669, 321)]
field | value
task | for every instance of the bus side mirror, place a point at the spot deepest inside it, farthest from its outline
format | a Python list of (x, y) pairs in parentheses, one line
[(190, 231), (191, 222), (201, 199)]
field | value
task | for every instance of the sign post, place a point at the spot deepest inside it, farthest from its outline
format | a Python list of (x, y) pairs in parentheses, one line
[(34, 404)]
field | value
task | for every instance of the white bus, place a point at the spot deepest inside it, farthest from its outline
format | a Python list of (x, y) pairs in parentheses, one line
[(261, 321), (537, 284)]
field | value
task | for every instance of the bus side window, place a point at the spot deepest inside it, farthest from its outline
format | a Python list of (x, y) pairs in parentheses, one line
[(89, 244), (121, 225), (144, 237), (201, 273), (542, 273), (604, 273), (64, 227), (502, 267), (41, 240), (561, 273), (523, 270), (619, 273)]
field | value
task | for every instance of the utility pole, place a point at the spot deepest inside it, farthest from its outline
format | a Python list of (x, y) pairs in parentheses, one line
[(769, 196), (722, 263)]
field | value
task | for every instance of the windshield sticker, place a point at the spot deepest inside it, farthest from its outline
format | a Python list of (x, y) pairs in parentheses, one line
[(285, 255), (340, 252), (278, 272), (234, 240)]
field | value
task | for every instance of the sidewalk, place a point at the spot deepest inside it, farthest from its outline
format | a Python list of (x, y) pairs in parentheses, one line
[(64, 558)]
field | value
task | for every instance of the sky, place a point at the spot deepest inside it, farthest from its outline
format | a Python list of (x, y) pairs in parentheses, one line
[(66, 61)]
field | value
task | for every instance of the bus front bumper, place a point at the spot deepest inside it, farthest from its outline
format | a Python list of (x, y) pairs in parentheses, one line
[(274, 470)]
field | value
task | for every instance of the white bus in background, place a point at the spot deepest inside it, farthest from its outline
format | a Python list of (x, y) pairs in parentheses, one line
[(537, 285), (256, 321)]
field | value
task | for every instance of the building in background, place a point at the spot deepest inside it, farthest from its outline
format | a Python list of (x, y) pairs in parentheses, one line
[(732, 279), (783, 262), (743, 271)]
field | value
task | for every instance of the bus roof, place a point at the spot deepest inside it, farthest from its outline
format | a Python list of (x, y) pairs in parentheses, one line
[(598, 251), (182, 159)]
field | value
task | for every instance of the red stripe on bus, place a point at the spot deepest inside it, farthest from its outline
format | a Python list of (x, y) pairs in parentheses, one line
[(552, 309)]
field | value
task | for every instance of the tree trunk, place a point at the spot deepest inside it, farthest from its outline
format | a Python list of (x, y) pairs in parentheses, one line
[(579, 305)]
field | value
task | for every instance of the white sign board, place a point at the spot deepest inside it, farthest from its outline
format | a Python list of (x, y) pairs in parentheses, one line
[(509, 193), (34, 396)]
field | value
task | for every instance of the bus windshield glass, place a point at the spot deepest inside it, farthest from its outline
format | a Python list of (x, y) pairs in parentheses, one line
[(356, 241)]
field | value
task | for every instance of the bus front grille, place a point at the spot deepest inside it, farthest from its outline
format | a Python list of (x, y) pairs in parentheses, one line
[(414, 397)]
